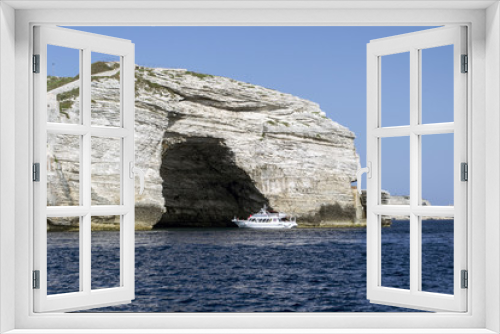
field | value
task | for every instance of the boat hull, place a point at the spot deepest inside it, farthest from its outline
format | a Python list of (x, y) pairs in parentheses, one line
[(266, 226)]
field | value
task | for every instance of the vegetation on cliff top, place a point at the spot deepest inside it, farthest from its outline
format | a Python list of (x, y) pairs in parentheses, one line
[(199, 75), (54, 82), (101, 66)]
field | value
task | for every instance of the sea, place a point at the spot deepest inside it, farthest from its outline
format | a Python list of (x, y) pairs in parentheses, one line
[(241, 270)]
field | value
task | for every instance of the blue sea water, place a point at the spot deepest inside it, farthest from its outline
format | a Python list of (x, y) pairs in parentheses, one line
[(237, 270)]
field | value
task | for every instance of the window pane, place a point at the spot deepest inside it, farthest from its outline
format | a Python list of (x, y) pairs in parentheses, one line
[(437, 169), (437, 84), (63, 84), (437, 254), (106, 167), (105, 252), (395, 89), (63, 255), (63, 170), (105, 90), (395, 171), (395, 248)]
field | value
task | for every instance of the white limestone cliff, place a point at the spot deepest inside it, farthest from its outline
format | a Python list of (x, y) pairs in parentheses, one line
[(212, 148)]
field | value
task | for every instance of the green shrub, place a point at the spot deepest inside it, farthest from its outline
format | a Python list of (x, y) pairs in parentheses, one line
[(64, 105), (99, 66), (147, 85), (71, 94)]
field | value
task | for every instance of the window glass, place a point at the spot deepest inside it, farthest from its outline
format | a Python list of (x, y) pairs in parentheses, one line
[(63, 85), (105, 90), (438, 169), (437, 254), (105, 252), (395, 171), (105, 169), (437, 84), (395, 232), (63, 255), (395, 90), (63, 170)]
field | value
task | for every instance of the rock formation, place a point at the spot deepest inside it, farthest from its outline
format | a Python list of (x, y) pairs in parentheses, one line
[(388, 199), (212, 148)]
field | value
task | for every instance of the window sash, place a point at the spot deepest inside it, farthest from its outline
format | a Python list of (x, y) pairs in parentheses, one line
[(86, 297), (413, 43)]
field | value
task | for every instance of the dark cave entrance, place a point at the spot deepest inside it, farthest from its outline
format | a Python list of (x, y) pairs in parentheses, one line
[(202, 185)]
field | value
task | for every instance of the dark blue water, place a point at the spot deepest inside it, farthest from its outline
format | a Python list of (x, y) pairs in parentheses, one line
[(236, 270)]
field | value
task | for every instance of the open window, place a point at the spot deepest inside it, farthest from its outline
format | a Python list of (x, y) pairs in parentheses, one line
[(413, 133), (17, 222), (71, 126)]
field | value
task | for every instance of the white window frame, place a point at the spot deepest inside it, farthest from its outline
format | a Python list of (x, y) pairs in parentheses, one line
[(482, 19)]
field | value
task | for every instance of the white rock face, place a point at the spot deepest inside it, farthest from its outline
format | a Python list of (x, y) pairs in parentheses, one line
[(212, 148)]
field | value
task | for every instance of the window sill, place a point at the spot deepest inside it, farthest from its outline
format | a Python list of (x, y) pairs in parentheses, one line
[(254, 331)]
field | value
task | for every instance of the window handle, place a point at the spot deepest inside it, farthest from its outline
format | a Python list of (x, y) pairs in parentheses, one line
[(134, 170), (360, 171)]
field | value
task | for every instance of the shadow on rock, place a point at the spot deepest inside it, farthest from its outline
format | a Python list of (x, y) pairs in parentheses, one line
[(202, 185)]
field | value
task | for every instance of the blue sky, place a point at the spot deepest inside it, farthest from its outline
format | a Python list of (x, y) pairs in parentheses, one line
[(326, 65)]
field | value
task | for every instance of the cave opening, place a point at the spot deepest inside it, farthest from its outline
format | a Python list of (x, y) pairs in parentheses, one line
[(202, 184)]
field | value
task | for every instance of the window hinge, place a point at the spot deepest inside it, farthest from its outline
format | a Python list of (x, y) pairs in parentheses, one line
[(465, 279), (464, 171), (36, 63), (36, 172), (465, 64), (36, 279)]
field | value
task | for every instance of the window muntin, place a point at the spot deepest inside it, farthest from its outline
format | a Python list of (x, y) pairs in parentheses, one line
[(59, 103)]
